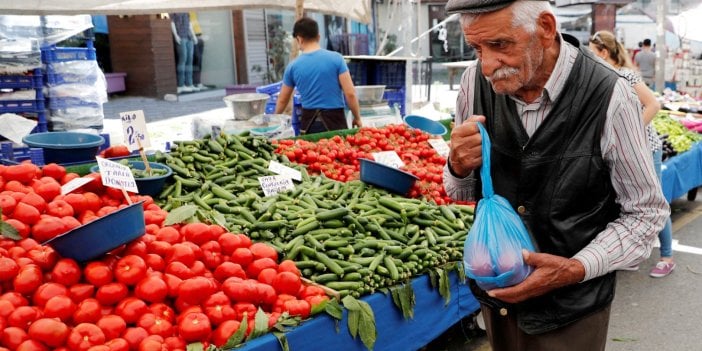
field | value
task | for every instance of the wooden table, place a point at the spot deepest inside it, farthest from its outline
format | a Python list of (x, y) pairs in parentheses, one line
[(454, 67)]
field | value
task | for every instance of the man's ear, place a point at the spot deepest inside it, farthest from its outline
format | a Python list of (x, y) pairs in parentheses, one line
[(546, 29)]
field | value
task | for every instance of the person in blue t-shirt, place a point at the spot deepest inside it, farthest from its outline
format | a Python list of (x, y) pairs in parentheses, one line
[(323, 80)]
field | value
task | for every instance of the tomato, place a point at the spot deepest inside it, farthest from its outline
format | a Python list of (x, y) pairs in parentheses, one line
[(130, 309), (172, 282), (228, 269), (66, 272), (224, 331), (6, 307), (155, 325), (26, 213), (49, 331), (117, 344), (31, 345), (289, 266), (46, 291), (85, 335), (220, 313), (245, 309), (169, 235), (258, 265), (211, 254), (112, 293), (98, 273), (261, 250), (195, 290), (88, 311), (181, 253), (287, 283), (152, 343), (7, 203), (43, 256), (12, 337), (267, 276), (130, 269), (198, 233), (137, 248), (59, 208), (242, 256), (80, 292), (151, 289), (61, 307), (23, 316), (230, 242), (22, 228), (194, 326), (112, 326), (134, 336), (8, 268), (28, 279), (179, 269)]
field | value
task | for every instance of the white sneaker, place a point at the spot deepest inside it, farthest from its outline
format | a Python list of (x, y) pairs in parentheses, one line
[(193, 88), (201, 86), (180, 90)]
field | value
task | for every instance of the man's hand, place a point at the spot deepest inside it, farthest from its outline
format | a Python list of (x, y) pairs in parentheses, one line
[(177, 39), (466, 150), (550, 272), (357, 122)]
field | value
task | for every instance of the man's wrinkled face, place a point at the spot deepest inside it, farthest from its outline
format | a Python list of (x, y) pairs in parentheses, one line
[(509, 56)]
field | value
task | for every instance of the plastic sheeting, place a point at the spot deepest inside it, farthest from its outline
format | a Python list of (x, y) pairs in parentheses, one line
[(359, 10), (682, 173)]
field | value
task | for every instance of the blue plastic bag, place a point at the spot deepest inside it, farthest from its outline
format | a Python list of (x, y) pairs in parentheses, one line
[(492, 253)]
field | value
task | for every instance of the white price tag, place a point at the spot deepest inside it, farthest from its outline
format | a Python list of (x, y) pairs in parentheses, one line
[(272, 185), (116, 175), (284, 170), (440, 146), (134, 129), (74, 184), (388, 158)]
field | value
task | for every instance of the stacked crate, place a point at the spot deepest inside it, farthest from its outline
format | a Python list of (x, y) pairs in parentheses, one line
[(28, 82)]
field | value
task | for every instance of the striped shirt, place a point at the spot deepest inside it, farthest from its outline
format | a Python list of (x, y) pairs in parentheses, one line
[(627, 240), (654, 142)]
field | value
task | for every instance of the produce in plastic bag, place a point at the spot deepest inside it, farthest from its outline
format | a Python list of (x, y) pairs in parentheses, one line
[(492, 253)]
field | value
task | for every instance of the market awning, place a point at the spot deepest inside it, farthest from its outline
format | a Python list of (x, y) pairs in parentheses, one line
[(358, 10)]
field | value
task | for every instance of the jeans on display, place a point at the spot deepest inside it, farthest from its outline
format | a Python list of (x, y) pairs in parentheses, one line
[(666, 235), (184, 66)]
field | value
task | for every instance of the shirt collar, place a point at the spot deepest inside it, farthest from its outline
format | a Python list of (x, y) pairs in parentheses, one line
[(561, 71)]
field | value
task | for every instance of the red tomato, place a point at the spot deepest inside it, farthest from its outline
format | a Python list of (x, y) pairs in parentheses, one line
[(12, 337), (198, 233), (267, 276), (220, 313), (6, 307), (85, 335), (66, 271), (169, 235), (49, 331), (258, 265), (134, 336), (43, 256), (181, 253), (195, 290), (80, 292), (46, 291), (31, 345), (172, 282), (230, 242), (98, 273), (61, 307), (242, 256), (28, 279), (7, 203), (118, 344), (288, 266), (224, 331), (130, 309), (22, 228), (8, 268), (163, 311), (228, 269), (262, 250), (130, 269), (151, 289), (287, 283), (23, 316), (194, 327), (155, 325), (59, 208), (112, 293), (88, 311), (26, 213)]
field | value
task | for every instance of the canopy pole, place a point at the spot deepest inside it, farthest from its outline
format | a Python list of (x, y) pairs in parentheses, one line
[(661, 47), (299, 12)]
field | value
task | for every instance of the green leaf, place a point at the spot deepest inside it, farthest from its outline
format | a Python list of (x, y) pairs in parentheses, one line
[(239, 335), (395, 292), (461, 271), (367, 328), (181, 214), (384, 290), (260, 325), (354, 319), (407, 301), (196, 346), (351, 303), (433, 279), (8, 231), (334, 310), (319, 307), (218, 218), (282, 340), (444, 285)]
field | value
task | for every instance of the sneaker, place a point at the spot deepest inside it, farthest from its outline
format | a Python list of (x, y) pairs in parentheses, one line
[(662, 269), (630, 268)]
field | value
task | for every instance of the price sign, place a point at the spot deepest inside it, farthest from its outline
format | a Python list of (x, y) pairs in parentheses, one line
[(388, 158), (74, 184), (440, 146), (116, 175), (284, 170), (134, 130), (272, 185)]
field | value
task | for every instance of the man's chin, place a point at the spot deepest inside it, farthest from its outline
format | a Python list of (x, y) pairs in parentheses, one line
[(502, 87)]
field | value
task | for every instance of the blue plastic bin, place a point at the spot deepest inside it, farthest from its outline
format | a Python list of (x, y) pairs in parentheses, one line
[(151, 186), (33, 81), (61, 54), (425, 124), (270, 89), (392, 179), (65, 147), (102, 235)]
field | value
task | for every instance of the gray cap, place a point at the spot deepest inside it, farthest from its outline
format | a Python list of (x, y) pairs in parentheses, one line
[(476, 6)]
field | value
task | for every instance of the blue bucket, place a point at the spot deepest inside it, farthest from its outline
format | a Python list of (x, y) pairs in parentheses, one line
[(65, 147), (96, 238), (151, 186), (392, 179), (425, 124)]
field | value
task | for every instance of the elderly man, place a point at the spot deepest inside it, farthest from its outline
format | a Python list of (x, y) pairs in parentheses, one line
[(569, 152)]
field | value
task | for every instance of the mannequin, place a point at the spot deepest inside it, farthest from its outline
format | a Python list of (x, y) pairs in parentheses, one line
[(197, 52), (185, 39)]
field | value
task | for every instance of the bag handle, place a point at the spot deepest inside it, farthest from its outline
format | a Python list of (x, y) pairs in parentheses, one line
[(485, 177)]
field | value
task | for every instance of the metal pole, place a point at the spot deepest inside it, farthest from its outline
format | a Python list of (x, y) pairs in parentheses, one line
[(299, 12), (661, 47)]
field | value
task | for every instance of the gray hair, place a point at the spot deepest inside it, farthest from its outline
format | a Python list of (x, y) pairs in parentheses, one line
[(524, 14)]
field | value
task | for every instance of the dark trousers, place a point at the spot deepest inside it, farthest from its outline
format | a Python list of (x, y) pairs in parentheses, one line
[(319, 120), (197, 60), (586, 334)]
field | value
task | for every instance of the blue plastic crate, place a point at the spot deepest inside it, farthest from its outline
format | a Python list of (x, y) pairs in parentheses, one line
[(270, 89), (21, 106), (395, 97), (58, 103), (391, 74), (33, 81), (57, 79), (60, 54), (358, 72)]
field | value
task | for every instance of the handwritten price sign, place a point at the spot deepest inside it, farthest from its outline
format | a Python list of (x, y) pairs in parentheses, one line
[(134, 130), (116, 175)]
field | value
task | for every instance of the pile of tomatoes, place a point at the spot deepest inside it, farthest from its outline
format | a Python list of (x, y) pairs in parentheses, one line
[(337, 157), (173, 286)]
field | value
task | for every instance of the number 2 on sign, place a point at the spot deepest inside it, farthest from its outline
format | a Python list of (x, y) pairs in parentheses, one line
[(132, 136), (134, 128)]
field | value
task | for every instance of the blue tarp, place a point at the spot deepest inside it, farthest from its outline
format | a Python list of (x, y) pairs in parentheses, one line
[(431, 319), (682, 173)]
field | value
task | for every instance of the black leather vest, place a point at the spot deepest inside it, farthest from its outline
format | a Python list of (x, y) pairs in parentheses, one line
[(559, 180)]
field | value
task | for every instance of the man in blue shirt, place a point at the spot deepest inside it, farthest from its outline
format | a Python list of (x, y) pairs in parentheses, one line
[(323, 80)]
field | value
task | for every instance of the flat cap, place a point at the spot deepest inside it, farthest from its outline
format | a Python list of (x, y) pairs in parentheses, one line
[(476, 6)]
